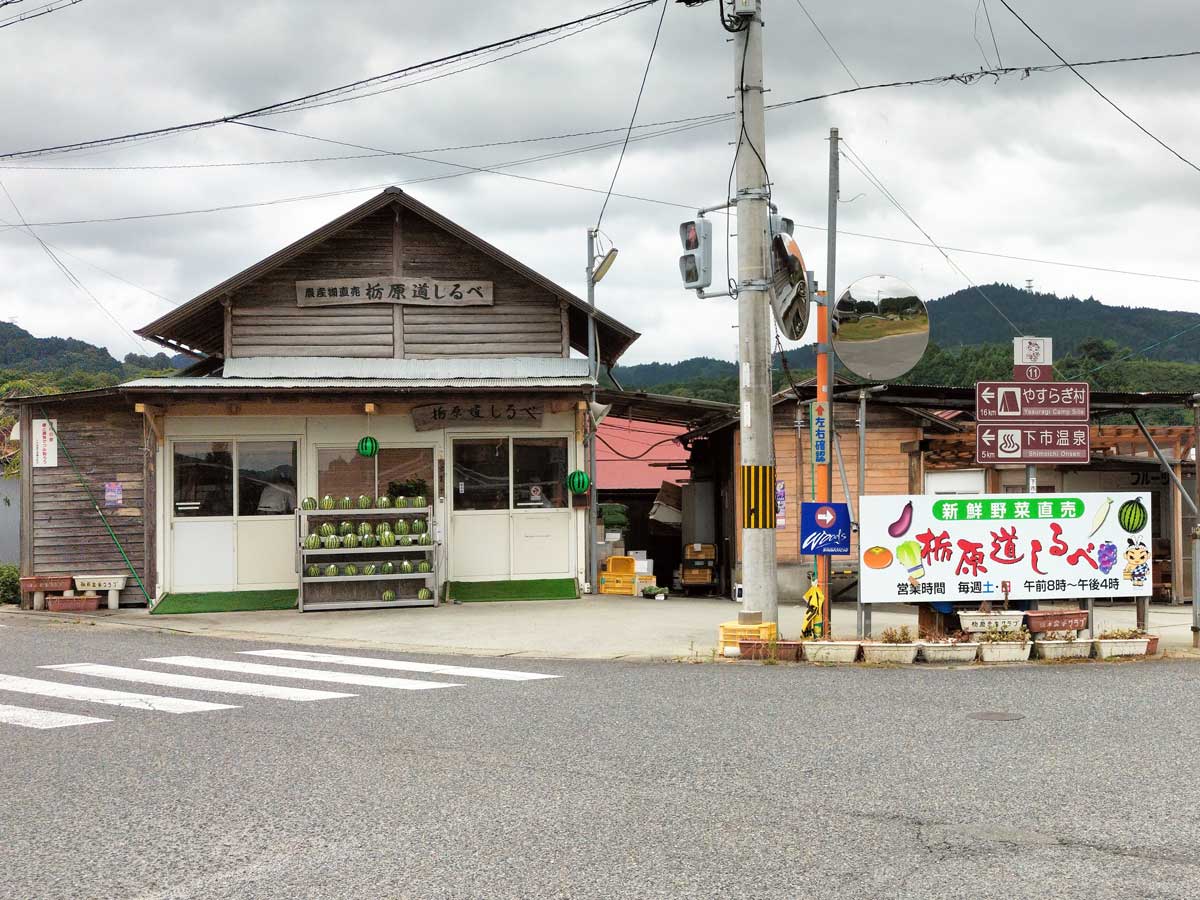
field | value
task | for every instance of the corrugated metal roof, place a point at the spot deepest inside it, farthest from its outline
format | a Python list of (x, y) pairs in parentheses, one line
[(342, 384), (515, 368)]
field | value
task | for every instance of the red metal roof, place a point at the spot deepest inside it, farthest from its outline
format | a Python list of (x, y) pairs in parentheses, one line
[(632, 438)]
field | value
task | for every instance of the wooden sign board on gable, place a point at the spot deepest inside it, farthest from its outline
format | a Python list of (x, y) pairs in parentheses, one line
[(479, 414), (392, 289)]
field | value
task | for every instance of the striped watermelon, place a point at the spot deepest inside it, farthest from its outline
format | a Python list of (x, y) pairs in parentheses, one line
[(309, 503), (327, 529), (332, 542), (424, 594), (425, 540), (404, 540), (419, 501), (364, 502), (346, 528), (387, 539), (312, 571), (331, 571), (389, 596), (364, 528), (368, 569), (1132, 516), (401, 526), (350, 542), (418, 526), (368, 541), (327, 502), (381, 527), (312, 542), (400, 503), (423, 566), (383, 502), (349, 570), (406, 568), (386, 568), (345, 503)]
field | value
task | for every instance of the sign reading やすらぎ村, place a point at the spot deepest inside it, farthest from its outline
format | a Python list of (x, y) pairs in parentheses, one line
[(915, 548)]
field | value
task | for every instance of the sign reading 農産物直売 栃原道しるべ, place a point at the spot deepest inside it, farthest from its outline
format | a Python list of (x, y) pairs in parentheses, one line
[(965, 548)]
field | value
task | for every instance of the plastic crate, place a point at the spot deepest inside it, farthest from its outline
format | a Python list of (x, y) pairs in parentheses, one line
[(620, 565), (618, 584), (729, 633)]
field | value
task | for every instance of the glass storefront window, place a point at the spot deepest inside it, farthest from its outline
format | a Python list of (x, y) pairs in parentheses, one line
[(266, 478), (481, 474), (203, 478), (539, 473), (405, 472), (343, 473)]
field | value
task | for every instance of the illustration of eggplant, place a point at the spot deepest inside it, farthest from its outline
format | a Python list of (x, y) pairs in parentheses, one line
[(900, 527), (1101, 516), (909, 554)]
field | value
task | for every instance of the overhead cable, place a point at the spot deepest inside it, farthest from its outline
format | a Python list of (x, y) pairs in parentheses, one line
[(832, 49), (36, 12)]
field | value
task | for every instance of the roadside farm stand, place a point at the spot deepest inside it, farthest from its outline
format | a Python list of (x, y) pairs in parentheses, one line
[(464, 368)]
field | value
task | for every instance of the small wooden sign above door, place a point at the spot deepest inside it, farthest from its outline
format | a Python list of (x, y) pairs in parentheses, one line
[(392, 289), (497, 414)]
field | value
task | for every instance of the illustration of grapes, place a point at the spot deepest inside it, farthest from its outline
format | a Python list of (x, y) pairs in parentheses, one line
[(1107, 557)]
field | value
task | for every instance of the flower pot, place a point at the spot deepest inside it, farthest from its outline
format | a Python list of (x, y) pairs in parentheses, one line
[(783, 651), (980, 621), (1004, 651), (1062, 649), (1037, 620), (82, 603), (897, 654), (964, 652), (1152, 645), (754, 649), (47, 583), (1107, 649), (831, 651)]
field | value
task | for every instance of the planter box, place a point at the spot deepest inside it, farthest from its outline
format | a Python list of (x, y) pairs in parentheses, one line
[(100, 582), (1004, 651), (1107, 649), (1152, 646), (899, 654), (83, 603), (47, 583), (949, 653), (1037, 620), (831, 651), (783, 651), (1062, 649), (980, 621)]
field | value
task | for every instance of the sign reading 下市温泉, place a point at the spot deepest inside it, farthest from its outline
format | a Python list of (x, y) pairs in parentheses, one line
[(964, 548), (393, 289)]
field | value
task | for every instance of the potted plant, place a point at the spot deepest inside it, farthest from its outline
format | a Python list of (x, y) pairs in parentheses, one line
[(895, 645), (1007, 643), (1121, 642), (958, 647), (976, 621), (1039, 620), (824, 650), (1061, 645), (654, 592)]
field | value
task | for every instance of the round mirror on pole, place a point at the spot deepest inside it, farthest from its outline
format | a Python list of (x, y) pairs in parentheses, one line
[(881, 328)]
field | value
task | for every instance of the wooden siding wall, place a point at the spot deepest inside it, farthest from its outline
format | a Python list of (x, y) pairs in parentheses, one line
[(106, 442), (525, 320)]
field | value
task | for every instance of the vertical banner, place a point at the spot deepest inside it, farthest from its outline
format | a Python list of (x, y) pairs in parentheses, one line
[(44, 443), (758, 496), (818, 423), (780, 503)]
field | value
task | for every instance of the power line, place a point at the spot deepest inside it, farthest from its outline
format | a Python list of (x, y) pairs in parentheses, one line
[(36, 13), (633, 115), (987, 15), (832, 50), (604, 16), (1145, 349), (1074, 69)]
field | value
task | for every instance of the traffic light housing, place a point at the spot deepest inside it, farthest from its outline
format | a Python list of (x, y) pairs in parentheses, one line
[(695, 265)]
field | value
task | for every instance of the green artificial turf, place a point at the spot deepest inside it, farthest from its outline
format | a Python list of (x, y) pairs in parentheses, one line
[(224, 601), (495, 591)]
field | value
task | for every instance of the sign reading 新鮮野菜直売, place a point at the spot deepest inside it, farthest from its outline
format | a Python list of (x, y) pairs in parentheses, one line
[(965, 548), (393, 289)]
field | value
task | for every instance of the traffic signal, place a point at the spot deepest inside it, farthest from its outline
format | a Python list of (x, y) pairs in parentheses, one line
[(696, 263)]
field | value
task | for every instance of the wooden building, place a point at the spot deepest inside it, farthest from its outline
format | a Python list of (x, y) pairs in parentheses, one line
[(391, 322)]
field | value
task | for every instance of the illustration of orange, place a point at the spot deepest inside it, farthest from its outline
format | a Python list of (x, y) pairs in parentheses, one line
[(877, 557)]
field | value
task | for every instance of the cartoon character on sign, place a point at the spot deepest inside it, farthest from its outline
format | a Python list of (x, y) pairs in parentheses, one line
[(1137, 563)]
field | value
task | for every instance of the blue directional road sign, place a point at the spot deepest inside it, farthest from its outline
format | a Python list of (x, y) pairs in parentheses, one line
[(825, 529)]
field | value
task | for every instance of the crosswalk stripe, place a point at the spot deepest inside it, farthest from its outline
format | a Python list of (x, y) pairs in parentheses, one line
[(221, 665), (102, 695), (399, 665), (43, 718), (198, 683)]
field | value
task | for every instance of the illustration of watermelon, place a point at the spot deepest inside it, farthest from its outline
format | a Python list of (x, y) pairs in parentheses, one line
[(326, 529), (332, 542), (419, 501), (424, 594), (1132, 516), (406, 568), (345, 503), (327, 502), (312, 542), (401, 526), (423, 566), (368, 569), (346, 528), (350, 542), (389, 596), (364, 502), (349, 570), (364, 528), (418, 526), (387, 539), (308, 503), (425, 540), (367, 541), (383, 502), (312, 571), (331, 571), (386, 568)]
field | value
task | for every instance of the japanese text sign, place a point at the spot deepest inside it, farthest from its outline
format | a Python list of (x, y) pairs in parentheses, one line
[(393, 289), (45, 443), (484, 414), (1046, 546), (1033, 443), (824, 529), (1043, 403), (819, 432)]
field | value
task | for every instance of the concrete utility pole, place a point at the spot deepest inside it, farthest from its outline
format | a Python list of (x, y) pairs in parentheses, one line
[(593, 558), (759, 585)]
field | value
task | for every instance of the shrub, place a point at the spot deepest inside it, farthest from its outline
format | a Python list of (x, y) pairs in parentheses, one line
[(901, 635), (1003, 634), (1121, 634), (10, 584)]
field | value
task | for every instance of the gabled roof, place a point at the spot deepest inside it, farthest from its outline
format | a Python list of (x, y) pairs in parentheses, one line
[(198, 324)]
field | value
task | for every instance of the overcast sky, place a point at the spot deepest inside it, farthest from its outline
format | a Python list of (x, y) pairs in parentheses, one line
[(1037, 167)]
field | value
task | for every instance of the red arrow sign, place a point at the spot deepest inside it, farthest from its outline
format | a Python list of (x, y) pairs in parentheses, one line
[(825, 516)]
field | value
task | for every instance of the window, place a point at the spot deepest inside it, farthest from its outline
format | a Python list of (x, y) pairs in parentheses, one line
[(540, 473), (481, 474), (343, 473), (266, 478), (395, 471), (203, 478), (405, 472)]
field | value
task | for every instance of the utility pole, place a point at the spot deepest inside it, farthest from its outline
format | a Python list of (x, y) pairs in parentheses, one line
[(593, 560), (759, 585), (825, 370)]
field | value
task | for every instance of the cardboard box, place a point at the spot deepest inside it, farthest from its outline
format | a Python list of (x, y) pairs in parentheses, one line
[(643, 566), (638, 554)]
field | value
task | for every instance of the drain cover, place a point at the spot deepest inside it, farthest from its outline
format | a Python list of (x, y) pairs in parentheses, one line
[(992, 716)]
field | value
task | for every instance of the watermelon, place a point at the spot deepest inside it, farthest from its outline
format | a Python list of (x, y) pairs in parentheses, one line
[(400, 503), (425, 540), (312, 542), (381, 527), (419, 501), (404, 540), (383, 502), (368, 569), (331, 571), (389, 596), (406, 568), (423, 566), (363, 502), (401, 526), (349, 570), (332, 542), (424, 594), (387, 539), (1132, 516), (418, 526), (308, 503), (368, 541), (364, 528), (345, 503), (350, 542), (386, 568), (327, 529), (327, 502), (312, 571), (346, 528)]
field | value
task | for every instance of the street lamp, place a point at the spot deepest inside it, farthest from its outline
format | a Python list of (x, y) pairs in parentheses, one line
[(597, 268)]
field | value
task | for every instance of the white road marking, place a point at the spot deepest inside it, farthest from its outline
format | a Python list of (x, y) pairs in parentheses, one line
[(42, 718), (399, 665), (221, 665), (198, 683), (101, 695)]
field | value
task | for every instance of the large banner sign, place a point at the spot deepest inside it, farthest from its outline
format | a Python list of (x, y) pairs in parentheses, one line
[(965, 548)]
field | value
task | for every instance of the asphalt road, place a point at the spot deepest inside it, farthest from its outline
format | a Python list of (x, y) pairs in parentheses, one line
[(886, 357), (613, 780)]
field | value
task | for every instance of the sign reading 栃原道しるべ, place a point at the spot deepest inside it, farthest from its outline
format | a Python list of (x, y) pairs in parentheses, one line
[(393, 289), (965, 548)]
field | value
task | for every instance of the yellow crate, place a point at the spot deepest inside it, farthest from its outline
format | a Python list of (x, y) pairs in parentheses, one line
[(730, 633), (620, 565), (618, 584)]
